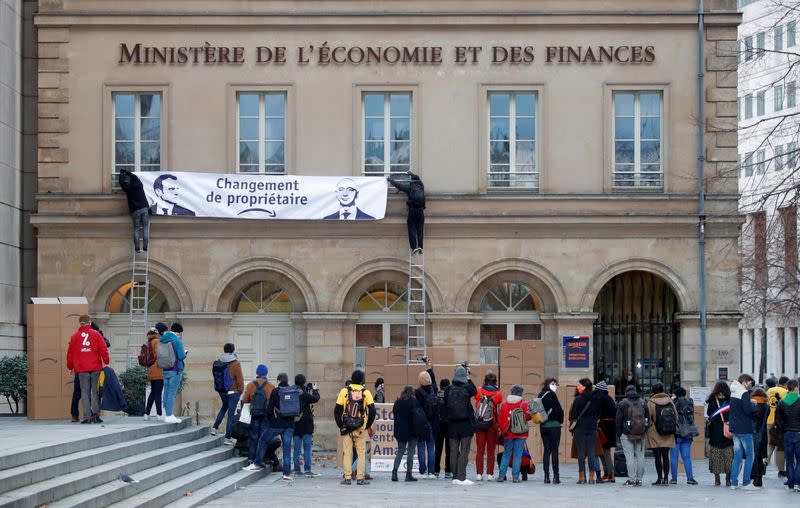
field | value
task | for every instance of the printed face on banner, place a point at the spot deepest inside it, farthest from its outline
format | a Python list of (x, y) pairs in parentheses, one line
[(248, 196)]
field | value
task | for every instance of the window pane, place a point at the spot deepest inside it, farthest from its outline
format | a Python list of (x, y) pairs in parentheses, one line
[(526, 153), (373, 153), (151, 129), (275, 168), (273, 153), (650, 103), (791, 34), (499, 129), (123, 129), (248, 152), (123, 104), (623, 128), (526, 128), (527, 331), (118, 168), (400, 128), (651, 151), (526, 104), (400, 104), (499, 152), (623, 151), (275, 104), (123, 153), (373, 129), (499, 104), (491, 335), (778, 96), (274, 129), (248, 104), (248, 168), (650, 128), (399, 168), (248, 129), (373, 104), (400, 152), (150, 152), (398, 335), (778, 38), (623, 104), (150, 104)]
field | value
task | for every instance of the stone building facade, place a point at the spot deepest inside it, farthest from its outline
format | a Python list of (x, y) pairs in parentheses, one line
[(561, 176)]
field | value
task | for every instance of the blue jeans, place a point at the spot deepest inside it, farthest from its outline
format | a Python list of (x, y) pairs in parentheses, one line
[(287, 438), (426, 452), (683, 447), (791, 450), (742, 444), (172, 380), (306, 442), (512, 447), (367, 461), (229, 401), (258, 424)]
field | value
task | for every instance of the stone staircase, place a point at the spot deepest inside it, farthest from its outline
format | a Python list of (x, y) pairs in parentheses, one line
[(174, 463)]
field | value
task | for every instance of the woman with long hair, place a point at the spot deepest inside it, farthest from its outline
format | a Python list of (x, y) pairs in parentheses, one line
[(720, 447), (403, 410), (551, 429), (583, 417)]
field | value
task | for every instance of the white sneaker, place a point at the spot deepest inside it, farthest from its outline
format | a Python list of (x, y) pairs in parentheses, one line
[(733, 487), (750, 487), (252, 467), (172, 419), (490, 478), (479, 478), (467, 482), (146, 417), (213, 432), (456, 482), (229, 442), (160, 418)]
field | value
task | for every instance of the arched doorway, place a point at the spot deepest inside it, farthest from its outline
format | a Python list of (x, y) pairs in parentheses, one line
[(636, 332)]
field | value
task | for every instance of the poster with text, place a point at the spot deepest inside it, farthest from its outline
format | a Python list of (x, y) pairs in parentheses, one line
[(576, 352), (384, 444)]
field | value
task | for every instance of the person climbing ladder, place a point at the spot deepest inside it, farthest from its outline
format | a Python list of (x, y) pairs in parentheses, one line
[(415, 190)]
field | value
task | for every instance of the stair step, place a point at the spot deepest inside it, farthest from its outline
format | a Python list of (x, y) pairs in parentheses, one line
[(178, 488), (218, 489), (60, 487), (28, 474)]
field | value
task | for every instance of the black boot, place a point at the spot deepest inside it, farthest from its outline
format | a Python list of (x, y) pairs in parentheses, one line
[(409, 477), (546, 476), (556, 478), (394, 475)]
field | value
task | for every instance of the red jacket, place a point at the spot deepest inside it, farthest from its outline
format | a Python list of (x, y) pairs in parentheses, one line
[(504, 418), (87, 351), (495, 396)]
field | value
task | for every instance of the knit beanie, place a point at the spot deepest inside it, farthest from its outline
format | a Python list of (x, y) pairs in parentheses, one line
[(516, 390), (460, 374), (601, 386), (261, 370)]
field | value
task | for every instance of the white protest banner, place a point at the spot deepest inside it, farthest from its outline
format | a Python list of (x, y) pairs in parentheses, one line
[(248, 196), (384, 444)]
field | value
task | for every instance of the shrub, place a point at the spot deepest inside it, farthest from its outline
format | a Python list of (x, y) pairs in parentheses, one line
[(14, 380), (134, 384)]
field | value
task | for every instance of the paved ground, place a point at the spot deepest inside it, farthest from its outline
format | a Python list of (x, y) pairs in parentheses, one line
[(326, 491)]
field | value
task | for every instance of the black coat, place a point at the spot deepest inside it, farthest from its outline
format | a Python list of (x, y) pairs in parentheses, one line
[(403, 411), (555, 413), (714, 428), (465, 428), (134, 191), (305, 425), (422, 394), (113, 398), (588, 422), (608, 415), (760, 413)]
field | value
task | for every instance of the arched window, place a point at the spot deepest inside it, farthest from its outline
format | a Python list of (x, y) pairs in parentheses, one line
[(119, 301), (511, 312), (263, 296)]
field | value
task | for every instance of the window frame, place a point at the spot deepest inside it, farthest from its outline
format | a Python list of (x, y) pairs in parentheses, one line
[(777, 38), (359, 140), (512, 116), (262, 140), (289, 124), (761, 103), (748, 106), (748, 48), (777, 98), (109, 176), (611, 160), (748, 164), (761, 157), (778, 157), (791, 34), (791, 94), (760, 44)]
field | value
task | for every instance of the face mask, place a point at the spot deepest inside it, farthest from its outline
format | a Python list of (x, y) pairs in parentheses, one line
[(553, 387), (630, 378)]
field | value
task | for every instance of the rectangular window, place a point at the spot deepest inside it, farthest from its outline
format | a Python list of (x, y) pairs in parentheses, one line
[(791, 155), (791, 94), (748, 164), (748, 106), (748, 47), (386, 132), (761, 103), (777, 34), (789, 222), (777, 93), (137, 132), (779, 158), (637, 139), (791, 34), (761, 44), (760, 249), (261, 134), (512, 140), (760, 161)]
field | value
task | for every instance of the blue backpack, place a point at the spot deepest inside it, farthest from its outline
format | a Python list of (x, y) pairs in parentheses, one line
[(289, 402), (258, 402), (222, 376)]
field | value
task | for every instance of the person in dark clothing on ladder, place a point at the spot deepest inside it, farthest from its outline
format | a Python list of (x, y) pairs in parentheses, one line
[(415, 190), (138, 206)]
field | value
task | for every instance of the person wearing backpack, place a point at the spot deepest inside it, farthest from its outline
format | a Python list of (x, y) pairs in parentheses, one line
[(661, 435), (229, 384), (720, 445), (255, 400), (686, 433), (776, 391), (760, 415), (442, 440), (304, 427), (283, 410), (512, 421), (583, 416), (787, 419), (551, 428), (415, 190), (633, 418), (354, 414), (428, 398), (403, 410), (487, 402), (156, 377), (741, 426), (460, 422), (170, 357), (606, 425)]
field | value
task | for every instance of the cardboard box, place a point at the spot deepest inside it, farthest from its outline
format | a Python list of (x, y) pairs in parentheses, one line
[(511, 375), (441, 354), (533, 354), (392, 392), (395, 356), (395, 374), (373, 373), (532, 379), (412, 373), (377, 356)]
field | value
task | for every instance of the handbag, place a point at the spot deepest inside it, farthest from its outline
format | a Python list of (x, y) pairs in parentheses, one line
[(245, 417), (601, 437), (574, 423), (775, 437), (726, 430)]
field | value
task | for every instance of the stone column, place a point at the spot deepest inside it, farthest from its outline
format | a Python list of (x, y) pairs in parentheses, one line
[(747, 351), (792, 359), (774, 352), (573, 324), (757, 334)]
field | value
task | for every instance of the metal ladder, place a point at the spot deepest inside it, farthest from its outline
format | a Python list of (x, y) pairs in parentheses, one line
[(417, 315), (140, 297)]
